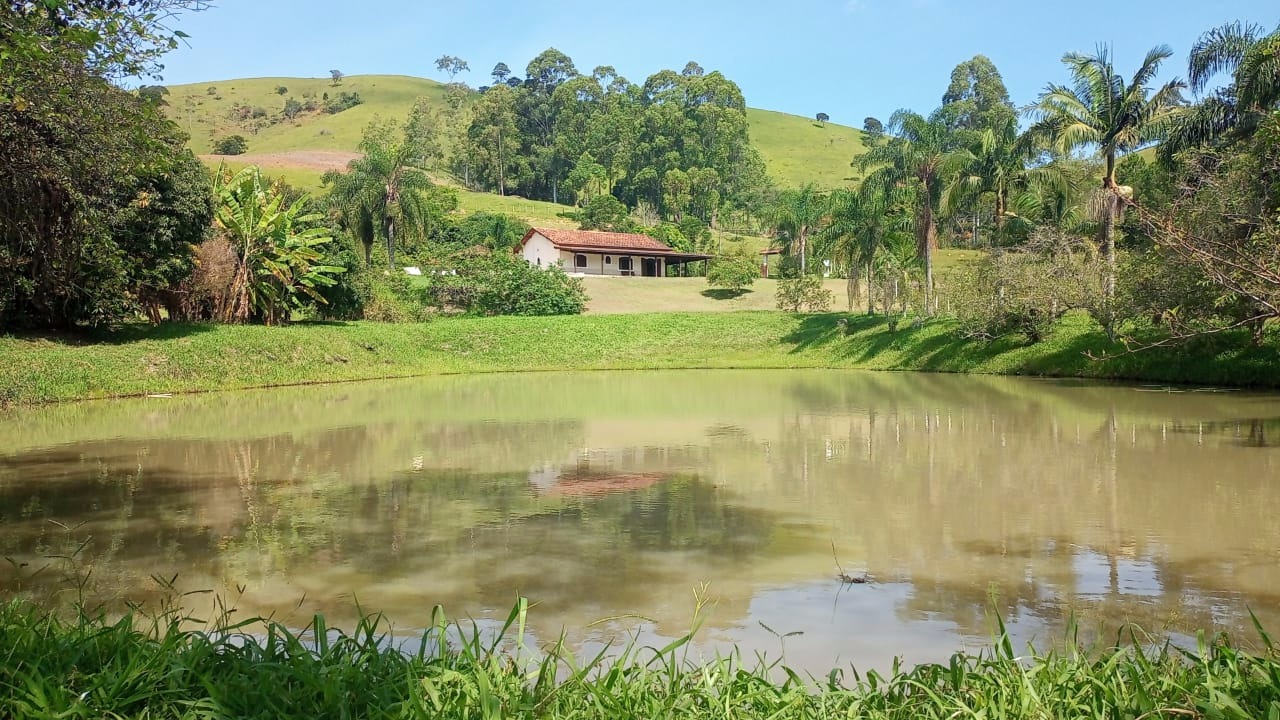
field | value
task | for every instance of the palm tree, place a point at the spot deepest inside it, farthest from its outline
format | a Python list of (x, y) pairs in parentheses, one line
[(921, 153), (859, 222), (1102, 109), (796, 215), (387, 192), (1001, 167), (1252, 59)]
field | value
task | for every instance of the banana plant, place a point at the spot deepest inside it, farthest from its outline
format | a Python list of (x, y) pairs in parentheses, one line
[(279, 265)]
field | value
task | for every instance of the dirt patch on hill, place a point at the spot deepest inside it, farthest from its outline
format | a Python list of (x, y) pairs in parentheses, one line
[(303, 159)]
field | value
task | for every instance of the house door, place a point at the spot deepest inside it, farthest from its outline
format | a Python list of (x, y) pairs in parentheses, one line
[(649, 267)]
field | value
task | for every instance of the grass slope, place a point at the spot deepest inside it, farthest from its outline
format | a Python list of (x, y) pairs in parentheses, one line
[(190, 358), (798, 150), (204, 110), (795, 149)]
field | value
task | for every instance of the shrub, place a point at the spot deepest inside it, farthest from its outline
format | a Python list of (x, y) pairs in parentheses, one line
[(344, 101), (282, 90), (1028, 290), (502, 284), (804, 294), (291, 108), (733, 272), (231, 145)]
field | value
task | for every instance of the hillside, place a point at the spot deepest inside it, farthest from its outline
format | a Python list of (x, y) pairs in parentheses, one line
[(795, 149)]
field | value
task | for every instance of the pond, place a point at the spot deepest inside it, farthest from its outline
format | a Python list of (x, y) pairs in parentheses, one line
[(610, 499)]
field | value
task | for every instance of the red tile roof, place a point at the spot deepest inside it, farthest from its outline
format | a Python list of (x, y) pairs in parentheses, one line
[(595, 240)]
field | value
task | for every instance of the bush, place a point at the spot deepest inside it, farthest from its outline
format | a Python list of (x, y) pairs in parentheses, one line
[(1028, 290), (282, 90), (231, 145), (345, 101), (502, 284), (733, 272), (804, 294)]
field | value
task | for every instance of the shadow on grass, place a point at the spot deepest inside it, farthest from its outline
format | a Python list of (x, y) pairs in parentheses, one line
[(724, 293), (117, 334)]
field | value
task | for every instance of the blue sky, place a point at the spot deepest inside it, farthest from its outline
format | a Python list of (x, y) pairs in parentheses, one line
[(848, 58)]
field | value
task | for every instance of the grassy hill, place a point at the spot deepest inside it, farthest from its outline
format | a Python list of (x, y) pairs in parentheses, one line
[(795, 149), (205, 110), (799, 150)]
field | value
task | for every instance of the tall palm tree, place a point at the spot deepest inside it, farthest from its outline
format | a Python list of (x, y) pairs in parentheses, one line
[(921, 153), (1104, 110), (1252, 59), (387, 192), (796, 215)]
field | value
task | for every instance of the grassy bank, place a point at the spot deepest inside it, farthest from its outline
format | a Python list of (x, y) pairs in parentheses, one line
[(142, 359), (89, 667)]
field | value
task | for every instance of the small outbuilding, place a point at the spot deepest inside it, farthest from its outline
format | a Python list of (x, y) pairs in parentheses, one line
[(592, 252)]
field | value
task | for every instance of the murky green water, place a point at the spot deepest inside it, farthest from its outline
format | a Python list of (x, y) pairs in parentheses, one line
[(599, 495)]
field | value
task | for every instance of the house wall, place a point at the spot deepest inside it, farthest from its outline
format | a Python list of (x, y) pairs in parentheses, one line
[(606, 264), (541, 252)]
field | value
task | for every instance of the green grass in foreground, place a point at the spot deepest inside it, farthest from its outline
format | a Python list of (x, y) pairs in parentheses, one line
[(140, 359), (149, 667)]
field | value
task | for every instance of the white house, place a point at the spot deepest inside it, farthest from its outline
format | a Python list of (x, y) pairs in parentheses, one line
[(590, 252)]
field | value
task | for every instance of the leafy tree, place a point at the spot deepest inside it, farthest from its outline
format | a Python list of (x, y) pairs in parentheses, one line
[(113, 38), (496, 137), (795, 215), (1104, 110), (977, 98), (874, 130), (604, 212), (388, 193), (588, 179), (292, 108), (154, 94), (822, 118), (99, 201), (500, 73), (451, 66), (921, 153), (335, 77), (231, 145), (734, 272), (1223, 230), (279, 264), (495, 231), (282, 90)]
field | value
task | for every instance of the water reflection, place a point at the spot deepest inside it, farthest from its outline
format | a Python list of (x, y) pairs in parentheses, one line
[(599, 495)]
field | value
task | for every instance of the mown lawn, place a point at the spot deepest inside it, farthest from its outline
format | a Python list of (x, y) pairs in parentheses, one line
[(140, 359)]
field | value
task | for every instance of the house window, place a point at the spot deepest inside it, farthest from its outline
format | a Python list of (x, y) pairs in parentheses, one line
[(624, 264), (579, 261), (608, 260)]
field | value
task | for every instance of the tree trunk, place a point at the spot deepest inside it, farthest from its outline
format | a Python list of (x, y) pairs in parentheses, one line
[(871, 296), (502, 168), (927, 244), (800, 240), (852, 291), (391, 243)]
